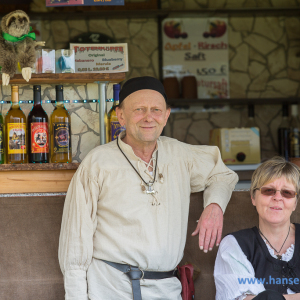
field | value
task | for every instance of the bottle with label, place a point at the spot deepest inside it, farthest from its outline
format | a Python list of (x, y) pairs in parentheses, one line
[(283, 133), (2, 159), (251, 121), (115, 127), (60, 129), (38, 131), (15, 131), (294, 137)]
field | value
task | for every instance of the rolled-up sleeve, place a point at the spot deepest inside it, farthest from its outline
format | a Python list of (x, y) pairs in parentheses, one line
[(77, 229), (209, 173)]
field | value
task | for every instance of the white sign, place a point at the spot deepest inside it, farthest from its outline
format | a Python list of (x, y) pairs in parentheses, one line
[(198, 47), (100, 58)]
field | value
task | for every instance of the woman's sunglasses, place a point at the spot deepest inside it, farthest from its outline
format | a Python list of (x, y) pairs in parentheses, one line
[(267, 191)]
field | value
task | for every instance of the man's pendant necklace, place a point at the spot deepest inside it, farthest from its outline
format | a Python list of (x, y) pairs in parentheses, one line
[(278, 255), (148, 187)]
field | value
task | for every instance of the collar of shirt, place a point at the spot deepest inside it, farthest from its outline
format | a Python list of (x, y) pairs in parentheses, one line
[(127, 149)]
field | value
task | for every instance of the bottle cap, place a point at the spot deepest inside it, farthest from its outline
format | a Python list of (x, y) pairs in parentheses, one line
[(15, 88), (59, 87), (36, 87), (251, 111), (285, 111), (295, 110)]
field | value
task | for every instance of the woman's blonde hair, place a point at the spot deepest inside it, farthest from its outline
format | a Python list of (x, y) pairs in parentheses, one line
[(273, 169)]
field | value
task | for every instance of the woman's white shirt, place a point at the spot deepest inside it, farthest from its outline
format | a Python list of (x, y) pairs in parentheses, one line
[(232, 265)]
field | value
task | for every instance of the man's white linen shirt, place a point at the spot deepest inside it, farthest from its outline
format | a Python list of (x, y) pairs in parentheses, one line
[(107, 216)]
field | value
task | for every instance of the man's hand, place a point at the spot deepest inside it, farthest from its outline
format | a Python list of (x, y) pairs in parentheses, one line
[(210, 227)]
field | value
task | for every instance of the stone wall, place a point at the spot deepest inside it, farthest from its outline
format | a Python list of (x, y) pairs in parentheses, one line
[(264, 63)]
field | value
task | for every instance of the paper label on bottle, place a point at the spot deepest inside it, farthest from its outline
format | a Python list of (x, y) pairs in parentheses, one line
[(1, 139), (295, 142), (16, 138), (39, 137), (62, 138), (116, 129)]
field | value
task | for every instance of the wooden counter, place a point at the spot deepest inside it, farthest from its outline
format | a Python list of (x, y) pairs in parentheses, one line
[(36, 178)]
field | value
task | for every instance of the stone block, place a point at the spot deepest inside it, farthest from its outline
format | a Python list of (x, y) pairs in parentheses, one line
[(134, 27), (293, 60), (259, 83), (74, 141), (241, 23), (228, 119), (253, 95), (255, 68), (238, 84), (119, 27), (100, 25), (270, 93), (268, 27), (180, 129), (60, 31), (241, 59), (260, 44), (277, 61), (79, 25), (147, 38), (89, 117), (282, 74), (200, 131), (81, 91), (234, 37), (284, 3), (292, 25), (190, 139), (293, 74), (88, 142), (254, 55), (155, 64), (92, 91), (216, 3), (77, 125), (137, 58), (285, 86)]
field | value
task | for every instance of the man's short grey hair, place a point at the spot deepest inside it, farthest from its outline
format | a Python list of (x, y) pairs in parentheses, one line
[(273, 169)]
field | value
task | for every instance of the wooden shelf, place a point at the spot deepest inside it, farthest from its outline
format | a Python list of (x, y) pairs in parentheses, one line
[(186, 103), (68, 13), (38, 167), (36, 178), (68, 78)]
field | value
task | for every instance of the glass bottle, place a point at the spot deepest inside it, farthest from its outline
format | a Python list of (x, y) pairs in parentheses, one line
[(60, 130), (294, 134), (115, 127), (38, 131), (15, 128), (251, 121), (283, 133), (2, 159)]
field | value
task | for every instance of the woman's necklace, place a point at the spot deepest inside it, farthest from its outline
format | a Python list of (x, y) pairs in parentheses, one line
[(149, 184), (278, 255)]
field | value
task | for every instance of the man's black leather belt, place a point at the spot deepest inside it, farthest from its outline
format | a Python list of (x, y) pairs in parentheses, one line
[(135, 274)]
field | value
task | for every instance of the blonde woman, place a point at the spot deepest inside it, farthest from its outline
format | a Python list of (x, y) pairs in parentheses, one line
[(264, 262)]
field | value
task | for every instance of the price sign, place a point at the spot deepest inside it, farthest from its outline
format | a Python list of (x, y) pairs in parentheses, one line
[(198, 47)]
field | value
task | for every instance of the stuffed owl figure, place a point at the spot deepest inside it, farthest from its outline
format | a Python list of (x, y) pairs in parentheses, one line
[(17, 45)]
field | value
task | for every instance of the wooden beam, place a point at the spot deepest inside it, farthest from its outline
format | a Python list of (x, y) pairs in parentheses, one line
[(68, 78)]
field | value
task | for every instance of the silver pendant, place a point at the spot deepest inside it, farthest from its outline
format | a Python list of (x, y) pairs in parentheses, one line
[(150, 189)]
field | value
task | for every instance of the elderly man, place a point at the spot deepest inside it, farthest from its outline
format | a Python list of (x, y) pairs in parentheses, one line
[(126, 211)]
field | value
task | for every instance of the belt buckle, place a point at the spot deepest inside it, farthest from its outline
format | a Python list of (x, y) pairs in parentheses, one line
[(130, 269)]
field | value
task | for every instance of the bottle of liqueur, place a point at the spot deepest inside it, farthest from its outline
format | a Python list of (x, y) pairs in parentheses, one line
[(60, 129), (283, 133), (294, 137), (251, 121), (38, 131), (2, 160), (115, 127), (15, 129)]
